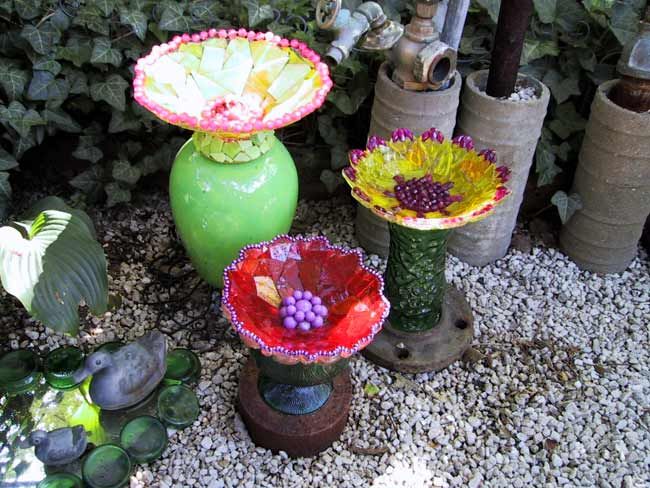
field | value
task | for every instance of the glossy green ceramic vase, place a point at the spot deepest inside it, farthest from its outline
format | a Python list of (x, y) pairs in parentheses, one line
[(220, 207)]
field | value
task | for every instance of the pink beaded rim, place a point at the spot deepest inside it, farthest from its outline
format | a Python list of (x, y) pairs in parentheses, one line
[(298, 355), (234, 127)]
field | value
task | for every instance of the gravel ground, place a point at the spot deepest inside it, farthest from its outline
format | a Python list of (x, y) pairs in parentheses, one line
[(556, 391)]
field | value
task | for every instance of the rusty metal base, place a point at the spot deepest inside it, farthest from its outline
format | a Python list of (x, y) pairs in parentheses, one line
[(432, 350), (297, 435)]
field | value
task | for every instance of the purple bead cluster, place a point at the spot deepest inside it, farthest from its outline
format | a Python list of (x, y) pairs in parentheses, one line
[(374, 142), (466, 142), (401, 135), (303, 310), (433, 134), (425, 195)]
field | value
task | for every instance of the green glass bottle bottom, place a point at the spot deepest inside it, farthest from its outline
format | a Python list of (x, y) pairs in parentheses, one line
[(61, 480), (144, 438), (107, 466), (178, 406), (60, 365), (182, 366), (19, 371)]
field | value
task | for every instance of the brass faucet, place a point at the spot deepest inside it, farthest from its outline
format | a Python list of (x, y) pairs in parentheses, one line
[(420, 60)]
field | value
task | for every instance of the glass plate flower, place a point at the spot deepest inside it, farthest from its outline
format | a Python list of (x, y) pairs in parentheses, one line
[(265, 273), (426, 182), (231, 83)]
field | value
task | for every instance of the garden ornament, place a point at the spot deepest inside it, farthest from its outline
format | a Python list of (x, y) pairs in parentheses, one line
[(125, 377), (58, 447), (423, 187)]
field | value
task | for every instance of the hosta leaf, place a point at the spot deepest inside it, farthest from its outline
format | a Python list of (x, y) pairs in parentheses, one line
[(55, 266), (104, 53), (110, 91), (116, 193), (5, 194), (7, 161), (13, 81), (173, 18), (137, 20), (61, 120), (43, 38), (566, 204), (28, 9), (124, 172)]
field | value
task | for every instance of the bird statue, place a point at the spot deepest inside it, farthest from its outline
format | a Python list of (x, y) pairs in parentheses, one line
[(57, 447), (126, 376)]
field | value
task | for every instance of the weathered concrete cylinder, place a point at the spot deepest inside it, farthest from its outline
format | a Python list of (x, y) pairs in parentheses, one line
[(393, 108), (512, 129), (613, 181)]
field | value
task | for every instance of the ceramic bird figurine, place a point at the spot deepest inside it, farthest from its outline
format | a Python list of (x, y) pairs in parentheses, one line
[(57, 447), (126, 376)]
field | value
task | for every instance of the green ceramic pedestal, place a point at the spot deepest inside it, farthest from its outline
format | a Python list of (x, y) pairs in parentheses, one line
[(430, 324), (218, 208)]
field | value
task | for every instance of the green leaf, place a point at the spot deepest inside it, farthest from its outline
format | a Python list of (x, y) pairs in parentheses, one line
[(535, 49), (90, 181), (124, 172), (57, 266), (13, 81), (91, 17), (24, 143), (566, 204), (371, 389), (46, 63), (39, 87), (546, 10), (20, 118), (492, 7), (137, 20), (567, 121), (106, 7), (561, 88), (5, 194), (77, 81), (116, 194), (110, 91), (87, 150), (77, 50), (206, 12), (28, 9), (258, 14), (625, 20), (120, 122), (104, 53), (173, 18), (545, 166), (61, 120), (7, 161), (43, 38)]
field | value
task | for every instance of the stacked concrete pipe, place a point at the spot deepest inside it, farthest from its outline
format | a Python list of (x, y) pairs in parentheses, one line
[(395, 107), (613, 181), (512, 129)]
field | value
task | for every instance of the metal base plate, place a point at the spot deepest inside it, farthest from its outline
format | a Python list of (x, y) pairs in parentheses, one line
[(297, 435), (432, 350)]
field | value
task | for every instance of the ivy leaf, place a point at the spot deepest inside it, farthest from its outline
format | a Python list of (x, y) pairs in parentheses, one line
[(13, 81), (91, 17), (492, 7), (116, 194), (561, 88), (120, 122), (566, 204), (110, 91), (535, 49), (625, 19), (60, 19), (567, 121), (258, 14), (54, 267), (87, 150), (61, 120), (20, 118), (42, 38), (546, 10), (47, 64), (137, 20), (77, 50), (205, 11), (172, 18), (124, 172), (104, 53), (7, 161), (5, 194), (545, 166), (77, 81), (106, 7), (90, 181), (28, 9), (570, 16), (39, 87)]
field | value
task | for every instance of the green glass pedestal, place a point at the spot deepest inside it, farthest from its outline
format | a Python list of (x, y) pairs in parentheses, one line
[(178, 406), (19, 372), (430, 324), (107, 466), (183, 366), (144, 438), (220, 207), (61, 480), (60, 365)]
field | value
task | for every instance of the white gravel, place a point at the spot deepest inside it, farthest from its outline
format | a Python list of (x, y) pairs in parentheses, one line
[(555, 393)]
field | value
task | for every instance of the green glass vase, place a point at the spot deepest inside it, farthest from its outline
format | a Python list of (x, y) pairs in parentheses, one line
[(220, 207), (415, 277)]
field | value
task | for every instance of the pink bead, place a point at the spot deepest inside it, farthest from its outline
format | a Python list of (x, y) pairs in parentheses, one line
[(293, 43), (284, 42), (212, 33), (251, 35), (258, 125), (242, 32), (185, 37), (259, 36), (277, 39), (213, 125), (205, 125), (222, 33), (248, 127), (176, 39), (173, 118), (268, 36), (232, 33), (196, 37), (203, 35)]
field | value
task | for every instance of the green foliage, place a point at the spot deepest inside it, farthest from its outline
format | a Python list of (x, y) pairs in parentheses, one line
[(566, 204), (50, 261)]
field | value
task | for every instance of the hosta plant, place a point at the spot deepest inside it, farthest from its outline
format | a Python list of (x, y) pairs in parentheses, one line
[(50, 261)]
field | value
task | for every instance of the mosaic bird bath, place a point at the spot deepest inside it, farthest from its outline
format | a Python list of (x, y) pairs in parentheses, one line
[(304, 307), (233, 183), (423, 187)]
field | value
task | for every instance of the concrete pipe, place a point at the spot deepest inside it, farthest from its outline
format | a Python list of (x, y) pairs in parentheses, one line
[(613, 181), (512, 129), (393, 108)]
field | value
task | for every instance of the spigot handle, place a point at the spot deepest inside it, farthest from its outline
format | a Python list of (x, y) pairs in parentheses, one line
[(326, 13)]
